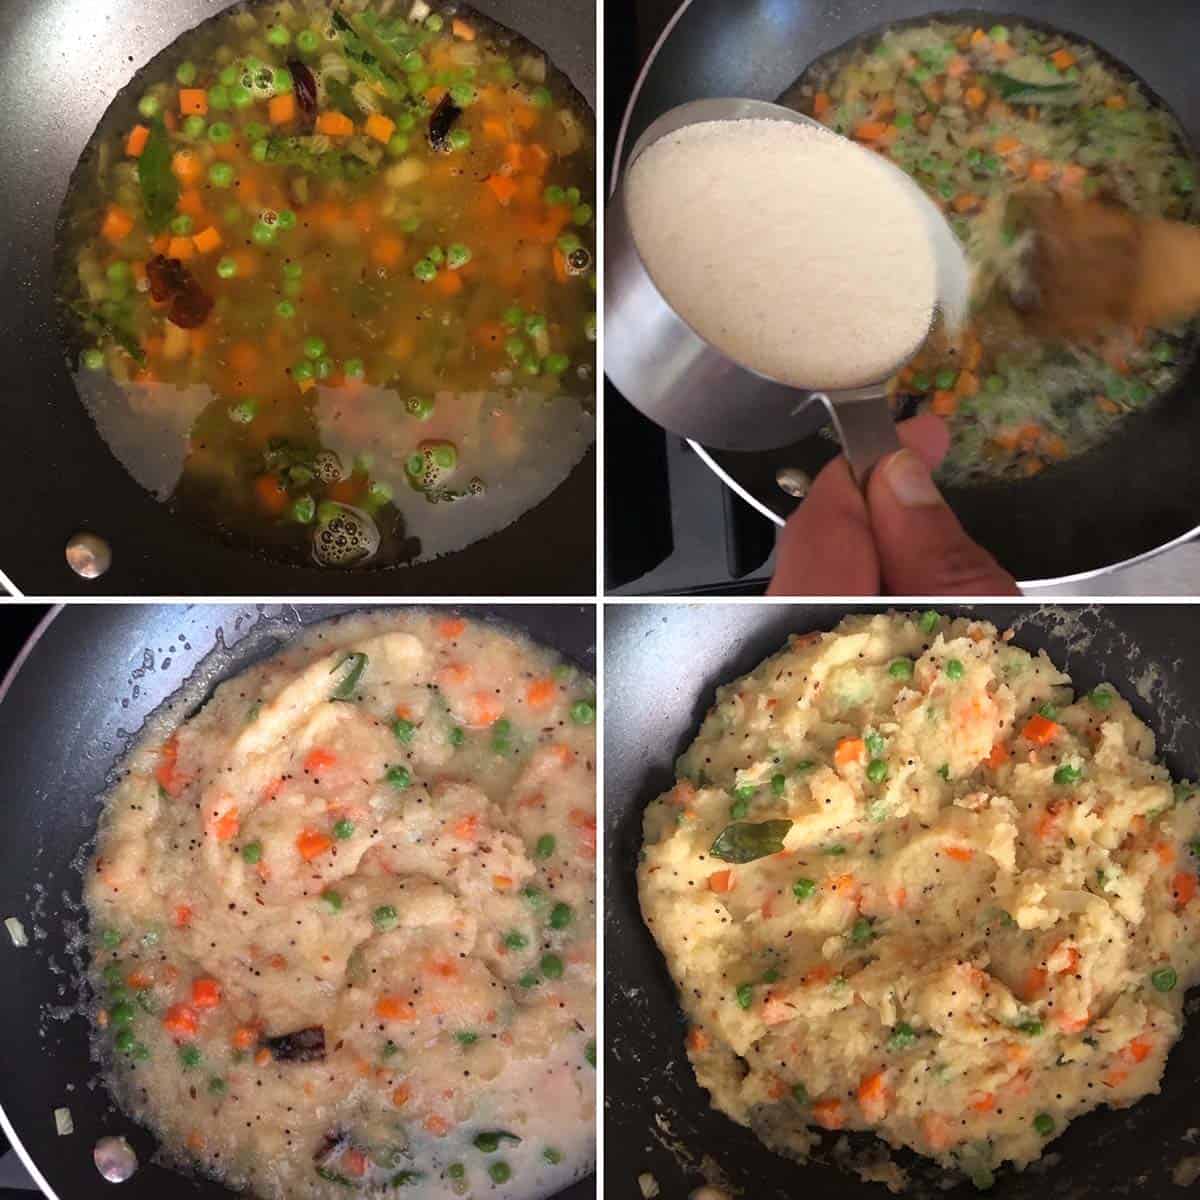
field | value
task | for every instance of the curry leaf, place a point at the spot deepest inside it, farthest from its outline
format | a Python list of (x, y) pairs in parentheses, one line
[(160, 188), (1021, 91), (125, 338), (355, 664), (744, 841)]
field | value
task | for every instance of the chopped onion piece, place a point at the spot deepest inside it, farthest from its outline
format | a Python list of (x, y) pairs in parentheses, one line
[(419, 11), (649, 1185), (63, 1122), (16, 931)]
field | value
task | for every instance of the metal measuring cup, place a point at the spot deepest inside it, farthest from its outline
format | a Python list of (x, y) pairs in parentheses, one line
[(689, 387)]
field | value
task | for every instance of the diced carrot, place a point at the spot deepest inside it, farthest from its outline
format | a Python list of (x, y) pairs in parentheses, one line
[(135, 143), (945, 404), (448, 283), (870, 131), (829, 1114), (967, 385), (495, 130), (1033, 983), (207, 240), (318, 760), (559, 260), (1047, 825), (380, 127), (845, 885), (982, 1102), (437, 1125), (401, 1095), (187, 167), (979, 38), (821, 104), (966, 201), (271, 494), (354, 1163), (1039, 730), (998, 756), (1115, 1076), (262, 1057), (1040, 170), (502, 187), (166, 770), (181, 248), (466, 828), (181, 1020), (697, 1039), (957, 67), (282, 109), (118, 224), (193, 102), (245, 1037), (1071, 1022), (182, 916), (454, 674), (1183, 888), (484, 709), (873, 1096), (537, 159), (540, 693), (226, 826), (1004, 51), (1138, 1050), (387, 251), (937, 1131), (849, 750), (191, 202), (462, 30), (1063, 59), (395, 1008), (1165, 853), (1116, 101), (311, 843), (962, 854), (335, 124), (1007, 144), (449, 628), (195, 1141), (975, 97), (140, 980), (721, 882), (206, 993)]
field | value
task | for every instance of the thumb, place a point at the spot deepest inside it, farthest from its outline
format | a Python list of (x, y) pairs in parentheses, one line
[(923, 550)]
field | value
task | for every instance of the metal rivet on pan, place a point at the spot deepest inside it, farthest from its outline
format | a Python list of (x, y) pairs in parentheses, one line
[(793, 481), (88, 555), (115, 1159)]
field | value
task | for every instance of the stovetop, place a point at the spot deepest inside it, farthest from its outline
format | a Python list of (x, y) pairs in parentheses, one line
[(671, 526)]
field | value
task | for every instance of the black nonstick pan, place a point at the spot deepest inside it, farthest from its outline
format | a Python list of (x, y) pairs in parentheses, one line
[(1130, 497), (86, 682), (662, 664), (61, 64)]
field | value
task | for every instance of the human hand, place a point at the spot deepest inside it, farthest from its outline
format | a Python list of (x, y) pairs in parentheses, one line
[(900, 539)]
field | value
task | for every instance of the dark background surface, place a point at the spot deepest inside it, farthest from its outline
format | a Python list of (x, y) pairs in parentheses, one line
[(61, 63), (662, 664), (68, 715)]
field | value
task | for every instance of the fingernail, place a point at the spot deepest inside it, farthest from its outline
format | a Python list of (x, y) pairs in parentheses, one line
[(910, 481)]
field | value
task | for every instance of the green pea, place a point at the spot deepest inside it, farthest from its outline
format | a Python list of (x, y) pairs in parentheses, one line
[(457, 255), (555, 364), (125, 1041), (304, 510), (113, 974), (285, 309), (252, 852), (343, 829), (583, 712), (903, 1036), (399, 777), (552, 966), (385, 917), (314, 347), (554, 195), (921, 382), (738, 810), (420, 407), (379, 493), (398, 145), (998, 33), (354, 368), (1048, 711), (218, 97), (1044, 1124), (243, 412), (561, 915), (240, 96), (1067, 774), (263, 233), (901, 668), (1032, 1028), (1163, 352), (331, 901), (227, 268), (544, 847), (457, 736), (540, 97), (221, 175), (220, 131), (568, 244), (189, 1057), (403, 730), (93, 359), (954, 668), (424, 270), (877, 770), (279, 35), (993, 385), (500, 1172), (573, 196), (260, 150), (582, 214), (744, 995), (802, 889), (589, 1053), (456, 1171), (302, 371), (149, 106), (800, 1093), (194, 126), (418, 82), (1164, 979), (528, 980), (185, 73), (463, 95), (227, 76), (307, 41), (945, 378), (862, 932), (292, 270), (285, 219), (122, 1013)]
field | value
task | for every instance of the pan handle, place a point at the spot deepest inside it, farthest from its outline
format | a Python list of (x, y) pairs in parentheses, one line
[(864, 424)]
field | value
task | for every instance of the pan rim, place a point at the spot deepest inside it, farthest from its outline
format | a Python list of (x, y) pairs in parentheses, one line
[(765, 510)]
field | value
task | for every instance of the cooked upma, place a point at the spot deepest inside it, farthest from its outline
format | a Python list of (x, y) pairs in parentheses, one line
[(908, 882)]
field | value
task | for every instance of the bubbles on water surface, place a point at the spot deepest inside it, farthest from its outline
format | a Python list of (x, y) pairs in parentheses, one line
[(347, 538)]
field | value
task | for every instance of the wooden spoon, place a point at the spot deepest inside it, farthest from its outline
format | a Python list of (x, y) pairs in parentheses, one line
[(1094, 267)]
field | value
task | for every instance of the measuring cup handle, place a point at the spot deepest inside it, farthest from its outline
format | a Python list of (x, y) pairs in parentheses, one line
[(864, 425)]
